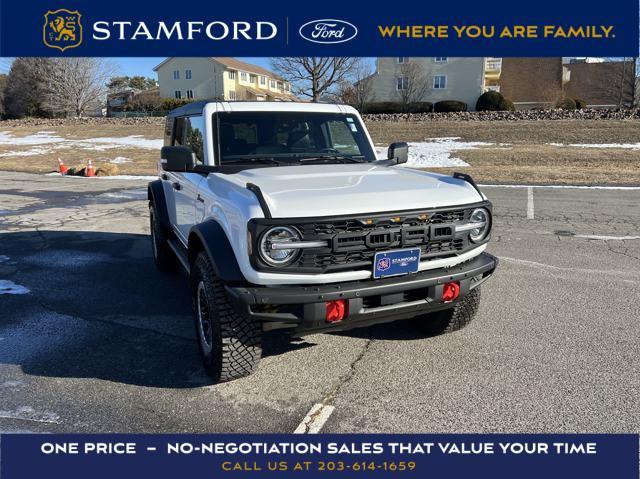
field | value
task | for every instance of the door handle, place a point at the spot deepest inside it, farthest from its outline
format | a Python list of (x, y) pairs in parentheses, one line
[(177, 186), (200, 198)]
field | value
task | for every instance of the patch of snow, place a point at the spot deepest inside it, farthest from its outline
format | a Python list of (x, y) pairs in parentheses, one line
[(54, 142), (626, 146), (27, 413), (438, 152), (119, 160), (9, 287), (137, 194)]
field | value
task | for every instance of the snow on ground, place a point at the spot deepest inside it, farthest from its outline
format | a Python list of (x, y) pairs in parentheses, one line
[(47, 142), (118, 160), (9, 287), (626, 146), (437, 152)]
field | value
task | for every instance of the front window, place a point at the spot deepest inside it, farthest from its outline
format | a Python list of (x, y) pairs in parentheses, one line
[(178, 94), (291, 138), (243, 76), (176, 74), (441, 59), (187, 74), (402, 83)]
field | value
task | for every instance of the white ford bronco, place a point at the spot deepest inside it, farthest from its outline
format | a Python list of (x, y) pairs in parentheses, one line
[(284, 218)]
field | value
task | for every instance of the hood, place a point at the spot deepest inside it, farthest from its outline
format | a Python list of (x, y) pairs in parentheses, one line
[(328, 190)]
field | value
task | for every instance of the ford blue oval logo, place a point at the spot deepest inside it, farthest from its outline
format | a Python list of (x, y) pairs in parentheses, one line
[(328, 31)]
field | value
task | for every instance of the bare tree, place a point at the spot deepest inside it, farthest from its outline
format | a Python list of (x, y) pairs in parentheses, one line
[(313, 77), (412, 83), (75, 85), (357, 91)]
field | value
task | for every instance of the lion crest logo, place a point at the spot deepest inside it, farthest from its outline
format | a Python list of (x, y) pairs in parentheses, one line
[(62, 29)]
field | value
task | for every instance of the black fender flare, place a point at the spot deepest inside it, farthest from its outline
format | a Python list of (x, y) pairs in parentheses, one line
[(210, 237), (155, 193)]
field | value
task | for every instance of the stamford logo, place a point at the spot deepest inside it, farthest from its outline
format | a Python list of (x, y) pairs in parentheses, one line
[(62, 29), (384, 264), (328, 31)]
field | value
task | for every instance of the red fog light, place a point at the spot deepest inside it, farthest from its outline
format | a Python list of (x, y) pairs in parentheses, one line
[(450, 292), (336, 310)]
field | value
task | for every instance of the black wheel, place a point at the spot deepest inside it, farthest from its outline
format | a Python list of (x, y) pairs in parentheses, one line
[(163, 256), (452, 319), (230, 344)]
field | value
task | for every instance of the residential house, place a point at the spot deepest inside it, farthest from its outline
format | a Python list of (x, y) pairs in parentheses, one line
[(220, 78), (447, 78), (602, 84), (533, 82)]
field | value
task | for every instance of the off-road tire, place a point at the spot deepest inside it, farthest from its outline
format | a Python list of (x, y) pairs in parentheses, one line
[(452, 319), (163, 255), (235, 342)]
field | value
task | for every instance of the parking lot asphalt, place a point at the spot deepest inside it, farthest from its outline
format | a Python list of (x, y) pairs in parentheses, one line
[(94, 339)]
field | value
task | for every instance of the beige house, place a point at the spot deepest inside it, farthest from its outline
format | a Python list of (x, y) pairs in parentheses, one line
[(444, 78), (220, 78)]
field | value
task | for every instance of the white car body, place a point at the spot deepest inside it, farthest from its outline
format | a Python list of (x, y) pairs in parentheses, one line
[(311, 191)]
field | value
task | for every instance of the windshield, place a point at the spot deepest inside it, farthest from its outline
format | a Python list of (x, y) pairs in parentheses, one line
[(291, 138)]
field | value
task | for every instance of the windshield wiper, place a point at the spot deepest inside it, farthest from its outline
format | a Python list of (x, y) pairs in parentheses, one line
[(254, 159), (340, 159)]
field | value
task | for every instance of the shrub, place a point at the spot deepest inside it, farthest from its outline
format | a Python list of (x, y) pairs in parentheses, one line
[(490, 101), (566, 104), (383, 107), (580, 103), (446, 106), (420, 107), (507, 105)]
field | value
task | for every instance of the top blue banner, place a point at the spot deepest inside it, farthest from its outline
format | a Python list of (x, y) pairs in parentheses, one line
[(333, 28)]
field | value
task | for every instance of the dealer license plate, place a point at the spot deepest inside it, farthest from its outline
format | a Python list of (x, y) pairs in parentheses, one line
[(394, 263)]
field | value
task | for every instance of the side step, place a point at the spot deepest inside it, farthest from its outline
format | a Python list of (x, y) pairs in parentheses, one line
[(180, 252)]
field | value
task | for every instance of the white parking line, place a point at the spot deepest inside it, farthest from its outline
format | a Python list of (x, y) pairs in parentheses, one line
[(608, 238), (315, 419), (529, 203), (561, 187)]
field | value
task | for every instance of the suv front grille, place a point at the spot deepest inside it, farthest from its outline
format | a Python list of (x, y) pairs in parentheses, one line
[(353, 243)]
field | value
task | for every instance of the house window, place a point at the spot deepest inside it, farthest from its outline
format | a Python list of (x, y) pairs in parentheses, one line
[(402, 83), (441, 59), (243, 76), (232, 94), (272, 83), (187, 74), (232, 75), (280, 86), (287, 87), (189, 94), (178, 94), (403, 60), (263, 80), (439, 82), (252, 78), (176, 74)]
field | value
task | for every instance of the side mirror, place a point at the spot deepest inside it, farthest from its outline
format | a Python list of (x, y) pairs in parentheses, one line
[(176, 158), (398, 152)]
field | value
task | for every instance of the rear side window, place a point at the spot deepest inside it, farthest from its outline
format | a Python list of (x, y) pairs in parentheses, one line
[(189, 131), (168, 130)]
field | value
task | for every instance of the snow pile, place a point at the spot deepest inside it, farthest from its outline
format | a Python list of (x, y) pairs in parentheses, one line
[(438, 152), (626, 146), (118, 160), (46, 142)]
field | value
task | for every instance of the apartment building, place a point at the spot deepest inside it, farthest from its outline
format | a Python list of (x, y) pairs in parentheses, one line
[(220, 78), (443, 78)]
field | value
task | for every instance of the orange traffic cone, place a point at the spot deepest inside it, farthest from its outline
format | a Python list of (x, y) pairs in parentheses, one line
[(63, 169), (90, 171)]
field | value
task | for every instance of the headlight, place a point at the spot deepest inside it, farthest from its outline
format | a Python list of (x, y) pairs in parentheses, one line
[(273, 245), (479, 220)]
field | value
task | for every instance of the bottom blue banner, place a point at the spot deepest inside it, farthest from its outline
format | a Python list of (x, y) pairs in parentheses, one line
[(227, 455)]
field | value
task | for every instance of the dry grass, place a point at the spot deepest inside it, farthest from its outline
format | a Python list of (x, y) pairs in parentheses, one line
[(527, 159)]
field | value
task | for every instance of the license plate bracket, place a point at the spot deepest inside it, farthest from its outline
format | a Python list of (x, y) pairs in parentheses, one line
[(396, 262)]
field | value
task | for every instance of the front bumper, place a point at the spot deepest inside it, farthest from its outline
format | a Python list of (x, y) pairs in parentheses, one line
[(301, 309)]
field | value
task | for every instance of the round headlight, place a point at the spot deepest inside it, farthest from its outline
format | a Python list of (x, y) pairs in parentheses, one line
[(273, 244), (480, 217)]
